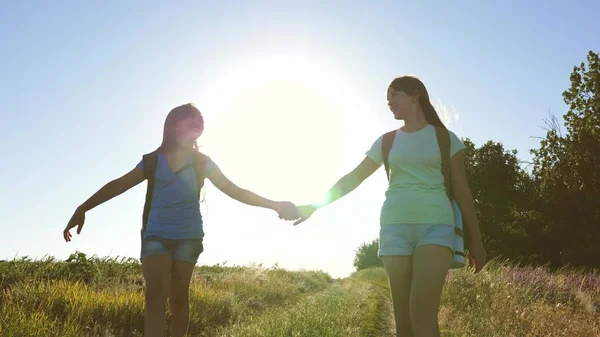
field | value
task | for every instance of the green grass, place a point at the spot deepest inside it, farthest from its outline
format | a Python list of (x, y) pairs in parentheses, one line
[(507, 300), (350, 308), (104, 297)]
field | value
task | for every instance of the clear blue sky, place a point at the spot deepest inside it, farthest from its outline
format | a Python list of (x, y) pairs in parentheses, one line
[(293, 95)]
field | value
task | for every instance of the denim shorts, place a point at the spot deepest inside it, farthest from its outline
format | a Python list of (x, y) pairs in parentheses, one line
[(187, 250), (402, 239)]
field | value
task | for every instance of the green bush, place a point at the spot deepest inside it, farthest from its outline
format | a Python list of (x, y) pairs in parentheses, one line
[(366, 256)]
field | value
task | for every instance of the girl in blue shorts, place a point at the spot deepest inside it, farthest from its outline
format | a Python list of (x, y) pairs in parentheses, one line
[(417, 220), (172, 228)]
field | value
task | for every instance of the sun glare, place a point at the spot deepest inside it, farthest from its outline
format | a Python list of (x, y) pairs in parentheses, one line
[(280, 125)]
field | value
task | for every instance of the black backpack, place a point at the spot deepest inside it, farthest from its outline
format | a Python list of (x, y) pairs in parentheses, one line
[(443, 140), (150, 161)]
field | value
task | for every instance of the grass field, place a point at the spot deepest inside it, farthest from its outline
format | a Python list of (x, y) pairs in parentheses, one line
[(104, 297)]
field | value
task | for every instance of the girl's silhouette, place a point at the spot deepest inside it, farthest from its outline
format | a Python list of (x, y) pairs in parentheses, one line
[(417, 220), (172, 228)]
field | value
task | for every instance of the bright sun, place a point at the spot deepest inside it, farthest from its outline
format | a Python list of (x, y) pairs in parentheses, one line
[(279, 125)]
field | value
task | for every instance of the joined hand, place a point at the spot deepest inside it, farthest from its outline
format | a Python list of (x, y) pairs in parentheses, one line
[(305, 212), (287, 210)]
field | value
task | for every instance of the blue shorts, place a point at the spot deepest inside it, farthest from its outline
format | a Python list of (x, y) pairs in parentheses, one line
[(402, 239), (187, 250)]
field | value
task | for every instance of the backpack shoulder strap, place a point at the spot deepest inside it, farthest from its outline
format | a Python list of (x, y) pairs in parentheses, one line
[(199, 162), (386, 146), (443, 139), (150, 161)]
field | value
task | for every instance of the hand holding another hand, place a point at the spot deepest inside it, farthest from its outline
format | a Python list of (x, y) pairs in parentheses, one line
[(305, 212), (287, 210)]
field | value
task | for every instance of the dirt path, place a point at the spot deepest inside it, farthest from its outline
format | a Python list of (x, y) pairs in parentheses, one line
[(388, 324)]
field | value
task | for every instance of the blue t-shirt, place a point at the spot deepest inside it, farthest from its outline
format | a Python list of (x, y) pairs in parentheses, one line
[(175, 210)]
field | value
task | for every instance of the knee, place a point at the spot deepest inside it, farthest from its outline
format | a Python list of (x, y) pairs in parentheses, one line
[(179, 300), (401, 299), (157, 289), (402, 314), (401, 305)]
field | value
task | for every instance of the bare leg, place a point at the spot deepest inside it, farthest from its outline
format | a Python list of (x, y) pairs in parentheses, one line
[(399, 270), (179, 299), (430, 267), (157, 270)]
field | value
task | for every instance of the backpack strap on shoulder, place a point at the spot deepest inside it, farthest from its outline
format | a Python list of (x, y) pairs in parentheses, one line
[(443, 139), (150, 161), (386, 146), (199, 162)]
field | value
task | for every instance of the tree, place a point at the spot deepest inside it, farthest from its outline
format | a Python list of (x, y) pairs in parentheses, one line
[(567, 169), (501, 192), (553, 214), (366, 256)]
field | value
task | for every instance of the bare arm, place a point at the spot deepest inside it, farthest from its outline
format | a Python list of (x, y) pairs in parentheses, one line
[(113, 189), (107, 192), (463, 196), (351, 181), (464, 199), (229, 188), (345, 185)]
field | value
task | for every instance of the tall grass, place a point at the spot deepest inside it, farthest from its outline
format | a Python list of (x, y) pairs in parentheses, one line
[(85, 297), (505, 300), (104, 297)]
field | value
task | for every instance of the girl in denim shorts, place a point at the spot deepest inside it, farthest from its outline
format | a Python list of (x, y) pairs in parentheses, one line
[(417, 218), (173, 228)]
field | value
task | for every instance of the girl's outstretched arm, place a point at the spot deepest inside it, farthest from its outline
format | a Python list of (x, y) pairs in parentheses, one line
[(345, 185), (114, 188), (286, 210), (107, 192)]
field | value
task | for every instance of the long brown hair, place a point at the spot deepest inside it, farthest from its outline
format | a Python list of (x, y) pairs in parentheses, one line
[(411, 85), (177, 114), (169, 141)]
